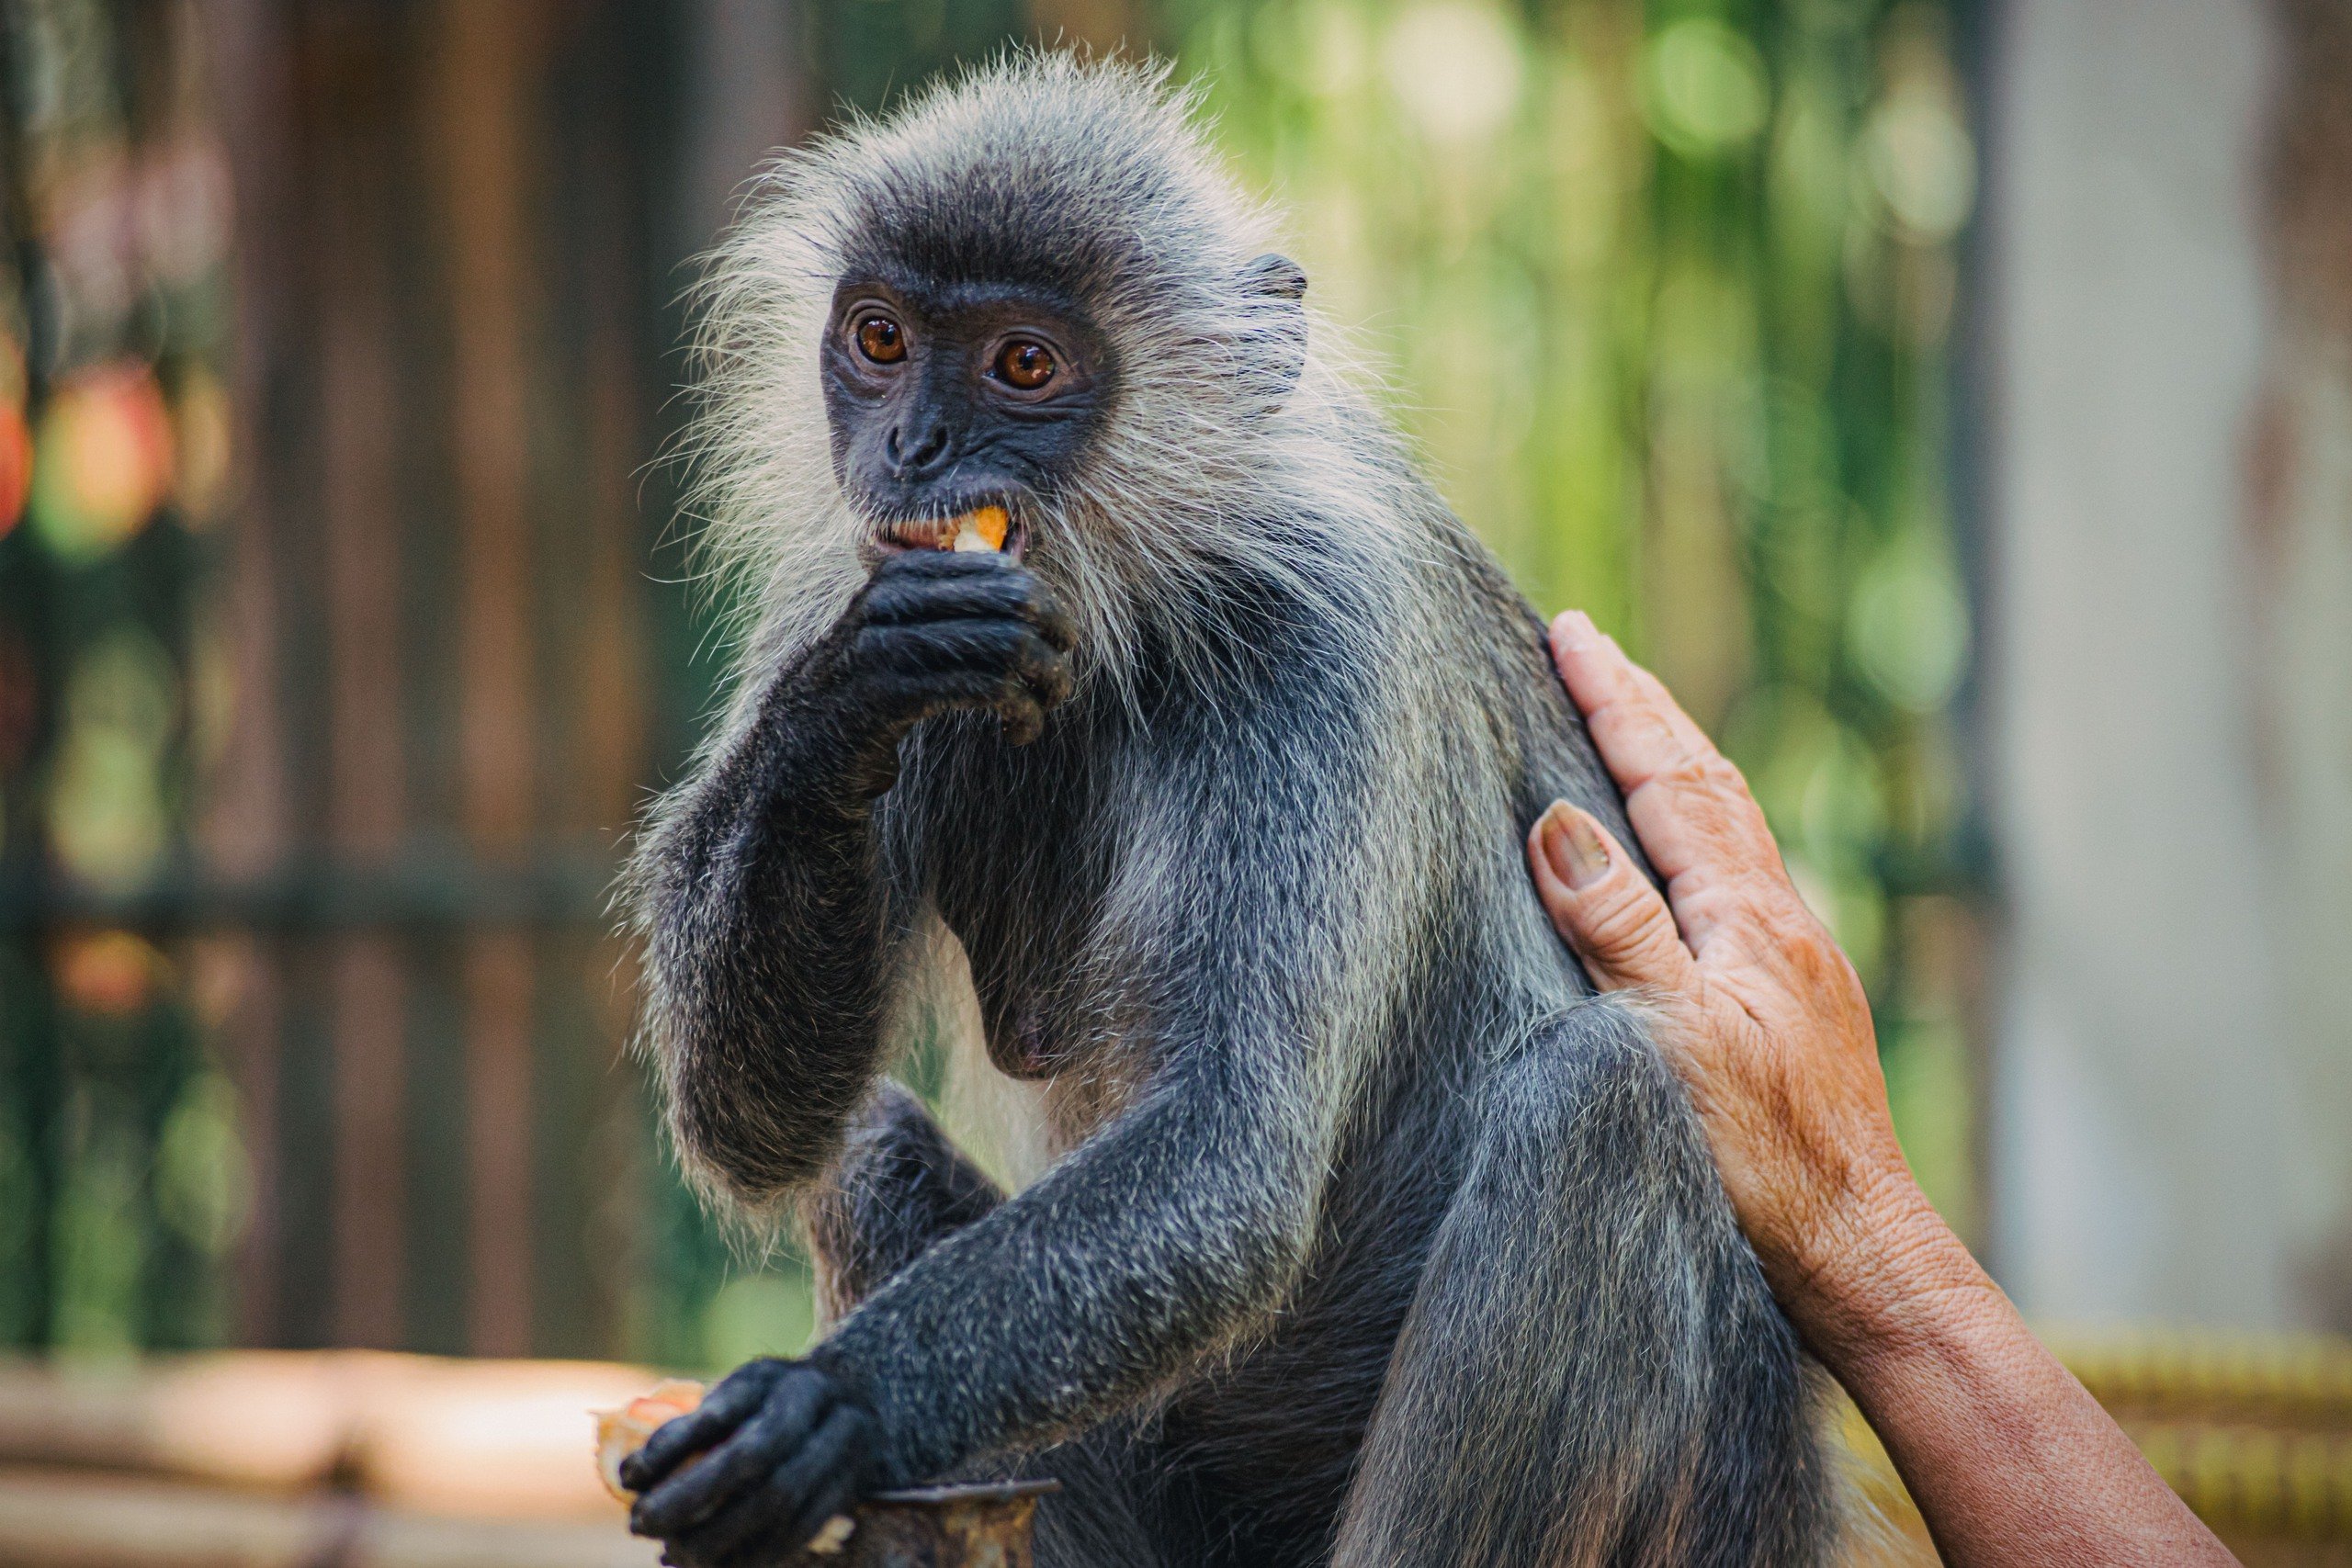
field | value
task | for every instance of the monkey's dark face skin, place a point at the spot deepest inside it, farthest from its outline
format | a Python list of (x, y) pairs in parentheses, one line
[(943, 398)]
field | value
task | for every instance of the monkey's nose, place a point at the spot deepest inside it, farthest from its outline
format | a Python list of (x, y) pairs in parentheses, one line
[(912, 455)]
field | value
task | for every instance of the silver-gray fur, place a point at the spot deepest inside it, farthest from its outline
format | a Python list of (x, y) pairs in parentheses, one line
[(1378, 1241)]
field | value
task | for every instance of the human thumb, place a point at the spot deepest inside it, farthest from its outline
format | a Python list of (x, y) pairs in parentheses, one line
[(1602, 905)]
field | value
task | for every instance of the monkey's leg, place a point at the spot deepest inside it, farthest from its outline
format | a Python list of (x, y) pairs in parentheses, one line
[(899, 1187), (1592, 1371)]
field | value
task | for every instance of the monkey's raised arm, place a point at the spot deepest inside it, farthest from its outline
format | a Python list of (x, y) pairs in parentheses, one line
[(772, 936)]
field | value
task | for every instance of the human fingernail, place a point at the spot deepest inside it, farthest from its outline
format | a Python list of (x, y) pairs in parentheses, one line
[(1573, 845), (1574, 629)]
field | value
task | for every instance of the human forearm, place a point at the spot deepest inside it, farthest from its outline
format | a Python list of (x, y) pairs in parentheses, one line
[(2009, 1459)]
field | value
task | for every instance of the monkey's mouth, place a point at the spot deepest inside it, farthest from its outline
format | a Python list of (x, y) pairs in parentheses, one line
[(990, 527)]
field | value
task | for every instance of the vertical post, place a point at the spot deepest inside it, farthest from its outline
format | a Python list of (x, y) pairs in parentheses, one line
[(2297, 545), (480, 65), (365, 799), (608, 695), (241, 831)]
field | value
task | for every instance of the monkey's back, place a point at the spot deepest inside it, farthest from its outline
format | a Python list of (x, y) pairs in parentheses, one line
[(1488, 739)]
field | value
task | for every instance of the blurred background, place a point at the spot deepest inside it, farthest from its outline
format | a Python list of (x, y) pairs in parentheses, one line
[(1952, 398)]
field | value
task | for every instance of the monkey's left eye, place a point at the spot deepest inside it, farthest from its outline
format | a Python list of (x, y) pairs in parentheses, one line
[(879, 339), (1026, 364)]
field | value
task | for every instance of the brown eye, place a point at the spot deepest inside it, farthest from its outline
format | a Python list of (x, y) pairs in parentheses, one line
[(1026, 364), (879, 339)]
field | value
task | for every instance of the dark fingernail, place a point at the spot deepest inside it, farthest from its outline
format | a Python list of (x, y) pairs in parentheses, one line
[(1579, 855)]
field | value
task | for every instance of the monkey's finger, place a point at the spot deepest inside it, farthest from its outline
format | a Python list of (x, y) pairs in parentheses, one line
[(1024, 719), (969, 661), (1053, 622), (1041, 682), (1008, 593), (832, 1496), (994, 589), (1045, 670), (814, 1484), (718, 1477), (851, 1442), (1603, 906), (996, 643), (734, 1401), (945, 563)]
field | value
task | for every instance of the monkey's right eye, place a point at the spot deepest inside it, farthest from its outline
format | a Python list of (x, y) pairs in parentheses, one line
[(881, 340)]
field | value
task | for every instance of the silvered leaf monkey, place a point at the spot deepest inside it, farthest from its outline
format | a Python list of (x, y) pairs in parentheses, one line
[(1375, 1238)]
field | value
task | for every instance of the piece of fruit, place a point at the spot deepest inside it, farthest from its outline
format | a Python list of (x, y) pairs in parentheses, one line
[(983, 529), (621, 1432)]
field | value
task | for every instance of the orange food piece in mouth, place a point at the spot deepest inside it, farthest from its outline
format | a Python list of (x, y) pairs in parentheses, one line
[(983, 529)]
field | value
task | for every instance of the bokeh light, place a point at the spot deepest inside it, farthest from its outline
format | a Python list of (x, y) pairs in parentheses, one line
[(107, 974), (102, 461), (1455, 64), (108, 819), (1703, 87), (202, 421)]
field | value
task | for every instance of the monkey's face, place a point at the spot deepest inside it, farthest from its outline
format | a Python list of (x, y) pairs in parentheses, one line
[(944, 400)]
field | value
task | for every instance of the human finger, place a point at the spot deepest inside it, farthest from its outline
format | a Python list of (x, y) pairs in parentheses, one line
[(1693, 811), (1602, 905), (1648, 731)]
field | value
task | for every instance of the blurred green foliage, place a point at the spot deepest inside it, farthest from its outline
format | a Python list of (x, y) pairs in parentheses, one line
[(123, 1178)]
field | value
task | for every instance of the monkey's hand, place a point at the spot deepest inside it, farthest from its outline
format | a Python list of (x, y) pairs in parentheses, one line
[(752, 1474), (934, 631)]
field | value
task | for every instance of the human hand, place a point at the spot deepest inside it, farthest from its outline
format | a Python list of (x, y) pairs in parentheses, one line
[(1753, 1003), (778, 1449), (2010, 1461)]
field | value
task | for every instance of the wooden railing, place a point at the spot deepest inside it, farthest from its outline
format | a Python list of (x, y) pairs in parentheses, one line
[(360, 1459), (363, 1459)]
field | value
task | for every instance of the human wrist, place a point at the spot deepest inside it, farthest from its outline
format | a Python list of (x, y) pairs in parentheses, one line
[(1882, 1277)]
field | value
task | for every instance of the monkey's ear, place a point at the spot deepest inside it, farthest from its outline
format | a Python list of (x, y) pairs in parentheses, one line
[(1276, 276), (1273, 347)]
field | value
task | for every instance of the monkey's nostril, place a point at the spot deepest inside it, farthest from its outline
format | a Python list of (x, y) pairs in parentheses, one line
[(934, 442), (909, 456)]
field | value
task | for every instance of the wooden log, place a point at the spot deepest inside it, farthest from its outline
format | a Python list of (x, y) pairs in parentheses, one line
[(986, 1526), (68, 1520), (507, 1439), (488, 61), (248, 1419)]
